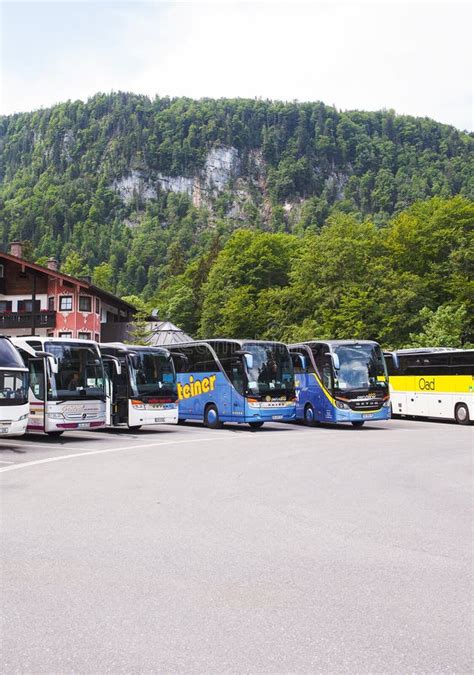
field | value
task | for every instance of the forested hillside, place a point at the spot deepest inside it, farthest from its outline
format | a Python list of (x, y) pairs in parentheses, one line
[(304, 212)]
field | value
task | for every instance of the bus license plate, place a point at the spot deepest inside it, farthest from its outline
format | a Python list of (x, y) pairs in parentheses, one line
[(277, 417), (159, 419), (3, 430), (83, 425)]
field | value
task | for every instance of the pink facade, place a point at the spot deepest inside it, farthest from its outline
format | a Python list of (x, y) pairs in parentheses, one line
[(37, 300), (78, 310)]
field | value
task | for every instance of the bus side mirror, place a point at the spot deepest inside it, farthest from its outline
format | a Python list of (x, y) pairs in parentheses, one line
[(247, 356), (182, 357), (302, 360), (396, 363), (335, 359), (52, 361), (116, 363)]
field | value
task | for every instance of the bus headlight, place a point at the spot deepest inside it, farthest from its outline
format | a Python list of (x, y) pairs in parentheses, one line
[(386, 404), (55, 416), (342, 406), (139, 405), (23, 417)]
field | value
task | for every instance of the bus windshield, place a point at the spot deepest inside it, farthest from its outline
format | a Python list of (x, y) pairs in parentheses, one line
[(361, 366), (13, 387), (151, 374), (80, 372), (272, 369)]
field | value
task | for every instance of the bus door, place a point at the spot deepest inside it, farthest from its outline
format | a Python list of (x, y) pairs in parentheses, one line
[(302, 380), (321, 387), (37, 370), (236, 392), (417, 399), (109, 391)]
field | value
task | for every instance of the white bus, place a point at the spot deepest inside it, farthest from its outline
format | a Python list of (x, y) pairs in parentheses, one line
[(434, 382), (13, 390), (141, 385), (67, 384)]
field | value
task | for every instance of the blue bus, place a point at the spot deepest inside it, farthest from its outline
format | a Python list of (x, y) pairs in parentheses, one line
[(340, 381), (243, 381)]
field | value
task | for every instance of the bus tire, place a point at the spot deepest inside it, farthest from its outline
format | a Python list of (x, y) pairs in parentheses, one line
[(55, 434), (137, 427), (358, 424), (211, 417), (181, 420), (255, 425), (309, 416), (461, 414)]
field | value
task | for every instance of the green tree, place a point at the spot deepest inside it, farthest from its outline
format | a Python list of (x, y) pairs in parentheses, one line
[(75, 266), (440, 328), (102, 276)]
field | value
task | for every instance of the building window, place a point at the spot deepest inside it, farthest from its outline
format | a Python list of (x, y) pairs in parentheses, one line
[(84, 336), (51, 304), (85, 303), (66, 334), (97, 306), (2, 271), (97, 337), (65, 303), (5, 305), (27, 305)]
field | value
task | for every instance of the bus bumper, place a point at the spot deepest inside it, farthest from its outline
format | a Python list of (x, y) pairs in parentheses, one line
[(13, 427), (352, 416), (283, 414), (163, 414)]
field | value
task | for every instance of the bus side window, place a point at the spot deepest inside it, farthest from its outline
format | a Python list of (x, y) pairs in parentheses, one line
[(463, 363)]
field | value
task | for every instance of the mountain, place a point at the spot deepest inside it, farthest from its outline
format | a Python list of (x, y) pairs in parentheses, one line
[(137, 190)]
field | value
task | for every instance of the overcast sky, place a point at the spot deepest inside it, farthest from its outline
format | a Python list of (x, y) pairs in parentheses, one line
[(413, 57)]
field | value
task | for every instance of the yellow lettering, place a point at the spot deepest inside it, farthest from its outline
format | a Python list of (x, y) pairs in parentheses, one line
[(186, 391), (205, 385), (197, 388), (180, 392), (212, 380)]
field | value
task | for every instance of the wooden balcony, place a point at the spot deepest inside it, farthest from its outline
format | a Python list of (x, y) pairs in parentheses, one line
[(25, 319)]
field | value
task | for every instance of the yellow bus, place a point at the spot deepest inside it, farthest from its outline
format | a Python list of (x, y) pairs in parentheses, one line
[(432, 382)]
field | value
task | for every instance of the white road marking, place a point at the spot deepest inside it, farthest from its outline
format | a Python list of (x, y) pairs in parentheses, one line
[(4, 461), (84, 453), (24, 465)]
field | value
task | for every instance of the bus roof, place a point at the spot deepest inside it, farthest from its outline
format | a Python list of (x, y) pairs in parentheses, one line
[(133, 348), (236, 341), (56, 340), (429, 350), (336, 343)]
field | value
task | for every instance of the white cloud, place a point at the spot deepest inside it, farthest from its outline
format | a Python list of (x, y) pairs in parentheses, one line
[(413, 57)]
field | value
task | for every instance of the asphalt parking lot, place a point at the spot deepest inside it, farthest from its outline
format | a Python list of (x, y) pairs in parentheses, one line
[(283, 550)]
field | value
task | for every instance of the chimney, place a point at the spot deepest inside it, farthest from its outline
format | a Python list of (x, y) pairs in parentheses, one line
[(16, 249), (52, 264)]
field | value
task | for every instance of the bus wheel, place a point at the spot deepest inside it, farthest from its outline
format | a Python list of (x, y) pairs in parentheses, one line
[(309, 416), (358, 424), (55, 434), (181, 421), (255, 425), (211, 418), (461, 414), (137, 427)]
